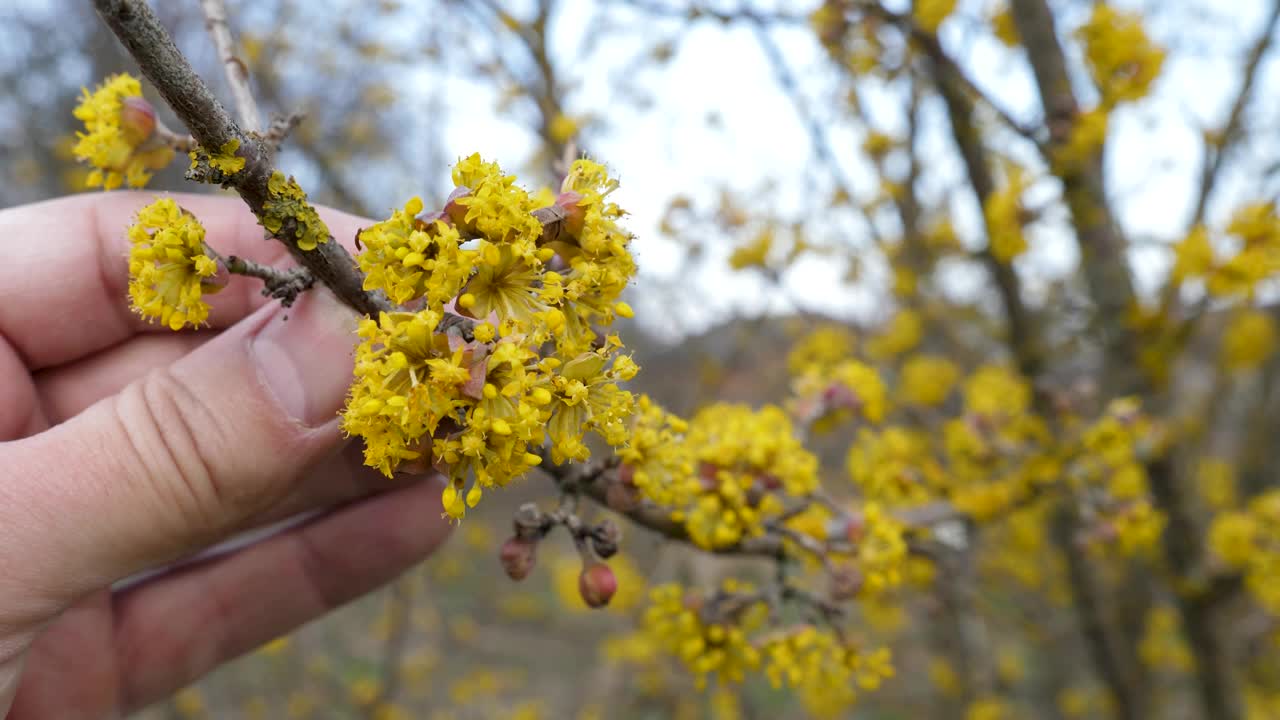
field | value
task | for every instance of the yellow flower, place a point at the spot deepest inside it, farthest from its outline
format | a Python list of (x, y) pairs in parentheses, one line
[(895, 466), (996, 391), (743, 461), (928, 379), (409, 259), (714, 642), (1162, 646), (1216, 480), (1005, 216), (901, 335), (821, 348), (169, 271), (882, 550), (1121, 58), (119, 138), (1193, 255), (826, 673), (1088, 134), (1003, 26), (929, 14), (1249, 339)]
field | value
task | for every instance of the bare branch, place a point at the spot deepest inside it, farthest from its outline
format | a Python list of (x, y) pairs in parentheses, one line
[(1216, 152), (283, 285), (215, 19), (140, 31)]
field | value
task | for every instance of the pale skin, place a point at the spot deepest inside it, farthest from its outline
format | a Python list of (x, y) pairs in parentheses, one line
[(125, 446)]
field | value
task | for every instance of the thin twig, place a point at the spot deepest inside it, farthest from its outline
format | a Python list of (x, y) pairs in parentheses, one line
[(283, 285), (215, 19), (151, 46), (1216, 152)]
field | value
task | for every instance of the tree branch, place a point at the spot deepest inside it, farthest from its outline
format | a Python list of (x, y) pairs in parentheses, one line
[(215, 19), (140, 31), (283, 285), (1216, 152), (1102, 246)]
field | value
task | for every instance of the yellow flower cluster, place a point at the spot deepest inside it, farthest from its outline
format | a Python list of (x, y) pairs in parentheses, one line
[(826, 397), (821, 348), (1088, 135), (901, 335), (169, 271), (708, 634), (1248, 340), (1109, 459), (1162, 646), (1006, 216), (1250, 541), (408, 258), (477, 408), (655, 459), (996, 453), (119, 137), (881, 549), (989, 708), (1254, 232), (929, 14), (826, 673), (744, 459), (1121, 58), (927, 380), (895, 466)]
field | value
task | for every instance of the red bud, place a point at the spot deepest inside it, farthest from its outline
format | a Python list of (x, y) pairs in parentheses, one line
[(518, 557), (137, 119), (597, 584), (455, 210), (574, 214)]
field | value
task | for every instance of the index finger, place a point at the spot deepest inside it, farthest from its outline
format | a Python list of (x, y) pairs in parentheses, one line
[(64, 278)]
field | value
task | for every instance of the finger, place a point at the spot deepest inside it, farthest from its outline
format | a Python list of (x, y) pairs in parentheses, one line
[(180, 458), (67, 390), (177, 628), (77, 274), (20, 411)]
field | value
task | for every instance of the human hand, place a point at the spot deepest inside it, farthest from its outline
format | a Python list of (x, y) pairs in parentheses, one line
[(124, 446)]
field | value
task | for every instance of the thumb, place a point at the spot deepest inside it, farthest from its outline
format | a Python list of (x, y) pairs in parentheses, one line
[(181, 458)]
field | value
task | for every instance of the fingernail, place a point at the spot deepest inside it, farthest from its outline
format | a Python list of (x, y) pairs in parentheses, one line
[(304, 356)]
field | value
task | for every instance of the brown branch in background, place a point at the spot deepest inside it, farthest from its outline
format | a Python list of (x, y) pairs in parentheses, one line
[(215, 19), (1216, 151), (1220, 696), (945, 64), (151, 46), (1107, 274), (1023, 338), (1102, 247), (280, 128), (1115, 662)]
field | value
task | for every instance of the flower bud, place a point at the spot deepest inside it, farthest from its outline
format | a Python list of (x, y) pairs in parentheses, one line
[(137, 119), (622, 497), (575, 215), (518, 557), (456, 211), (605, 539), (597, 584), (846, 582)]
